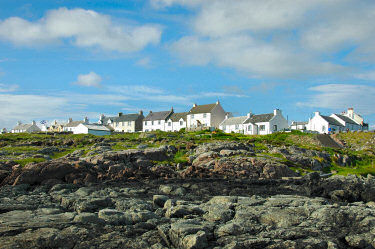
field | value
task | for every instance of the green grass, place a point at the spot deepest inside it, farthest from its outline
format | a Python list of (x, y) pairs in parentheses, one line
[(20, 149), (180, 157), (361, 168), (25, 161)]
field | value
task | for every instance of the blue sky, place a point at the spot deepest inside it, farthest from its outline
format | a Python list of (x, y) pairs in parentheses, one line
[(61, 59)]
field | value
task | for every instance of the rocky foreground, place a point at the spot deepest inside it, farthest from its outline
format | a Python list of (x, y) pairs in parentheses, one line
[(227, 195)]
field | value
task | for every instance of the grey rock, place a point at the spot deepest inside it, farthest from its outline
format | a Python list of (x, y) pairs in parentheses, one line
[(114, 217)]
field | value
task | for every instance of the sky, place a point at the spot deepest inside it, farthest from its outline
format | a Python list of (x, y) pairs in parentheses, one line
[(74, 58)]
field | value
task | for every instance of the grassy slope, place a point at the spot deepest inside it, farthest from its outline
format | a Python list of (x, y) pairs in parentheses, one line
[(360, 145)]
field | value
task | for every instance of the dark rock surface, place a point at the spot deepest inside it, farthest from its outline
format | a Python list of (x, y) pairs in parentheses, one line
[(212, 213)]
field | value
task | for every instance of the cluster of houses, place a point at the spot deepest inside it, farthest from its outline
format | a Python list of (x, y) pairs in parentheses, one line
[(202, 117)]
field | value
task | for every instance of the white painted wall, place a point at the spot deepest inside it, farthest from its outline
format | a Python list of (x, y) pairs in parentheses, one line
[(153, 125), (80, 129)]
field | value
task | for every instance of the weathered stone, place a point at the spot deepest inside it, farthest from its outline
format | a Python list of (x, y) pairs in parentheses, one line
[(114, 217)]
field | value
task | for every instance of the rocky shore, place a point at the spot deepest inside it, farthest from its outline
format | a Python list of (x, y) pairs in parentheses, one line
[(225, 195)]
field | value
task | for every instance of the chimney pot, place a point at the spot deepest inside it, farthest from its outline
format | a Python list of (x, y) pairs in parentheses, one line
[(120, 114)]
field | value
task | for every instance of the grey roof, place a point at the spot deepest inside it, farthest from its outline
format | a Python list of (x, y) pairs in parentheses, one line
[(331, 120), (299, 123), (346, 119), (73, 123), (105, 119), (175, 117), (259, 118), (96, 127), (22, 127), (234, 120), (158, 116), (127, 117), (202, 109)]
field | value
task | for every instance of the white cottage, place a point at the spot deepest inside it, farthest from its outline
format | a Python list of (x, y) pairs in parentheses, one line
[(299, 126), (205, 116), (3, 131), (29, 128), (264, 124), (233, 124), (348, 123), (71, 125), (324, 124), (176, 121), (356, 117), (98, 130), (156, 120)]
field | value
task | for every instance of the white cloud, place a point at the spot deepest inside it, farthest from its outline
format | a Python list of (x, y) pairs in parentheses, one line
[(250, 55), (341, 96), (285, 38), (85, 28), (168, 3), (7, 88), (90, 79)]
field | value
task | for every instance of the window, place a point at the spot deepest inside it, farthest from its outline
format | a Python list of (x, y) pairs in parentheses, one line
[(275, 128), (181, 122), (249, 128), (152, 122), (192, 115), (169, 123), (159, 122), (129, 122), (145, 122), (262, 127), (123, 123), (323, 128), (236, 126), (204, 115)]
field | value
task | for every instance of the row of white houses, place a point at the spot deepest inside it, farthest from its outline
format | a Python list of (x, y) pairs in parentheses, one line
[(346, 121), (209, 116)]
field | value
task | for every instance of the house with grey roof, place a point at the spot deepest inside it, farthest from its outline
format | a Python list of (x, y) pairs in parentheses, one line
[(3, 131), (156, 120), (29, 128), (205, 116), (263, 124), (128, 122), (233, 124), (356, 117), (105, 120), (71, 125), (298, 125), (94, 129), (348, 123), (176, 121), (324, 124)]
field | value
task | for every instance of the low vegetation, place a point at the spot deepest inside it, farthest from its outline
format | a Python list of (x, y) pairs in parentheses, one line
[(24, 148)]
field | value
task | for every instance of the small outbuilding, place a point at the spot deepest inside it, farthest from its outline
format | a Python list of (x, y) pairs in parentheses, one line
[(98, 130), (28, 128)]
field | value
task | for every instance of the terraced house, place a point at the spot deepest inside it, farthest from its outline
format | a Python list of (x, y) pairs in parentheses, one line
[(205, 116), (176, 121), (128, 122), (156, 120), (29, 128)]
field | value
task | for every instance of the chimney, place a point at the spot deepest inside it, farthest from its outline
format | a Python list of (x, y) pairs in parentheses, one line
[(351, 112), (55, 122), (85, 120), (33, 123), (70, 120), (19, 123), (101, 117), (150, 111), (317, 113), (172, 109), (120, 114), (140, 112), (276, 111), (217, 102), (249, 115), (194, 105), (226, 115)]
